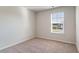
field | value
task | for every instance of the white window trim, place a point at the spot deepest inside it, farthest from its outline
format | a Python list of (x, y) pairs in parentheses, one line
[(56, 32)]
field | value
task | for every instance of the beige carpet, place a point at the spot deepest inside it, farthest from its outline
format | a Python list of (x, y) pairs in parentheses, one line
[(41, 46)]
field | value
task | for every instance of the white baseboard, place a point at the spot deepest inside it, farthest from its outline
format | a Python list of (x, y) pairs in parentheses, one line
[(45, 37), (17, 42), (31, 37)]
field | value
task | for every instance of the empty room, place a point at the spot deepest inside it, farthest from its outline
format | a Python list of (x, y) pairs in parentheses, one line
[(39, 29)]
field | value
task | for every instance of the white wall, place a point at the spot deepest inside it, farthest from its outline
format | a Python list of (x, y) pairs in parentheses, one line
[(16, 24), (44, 25), (77, 27)]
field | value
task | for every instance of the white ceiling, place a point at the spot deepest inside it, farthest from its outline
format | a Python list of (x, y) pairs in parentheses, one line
[(39, 8)]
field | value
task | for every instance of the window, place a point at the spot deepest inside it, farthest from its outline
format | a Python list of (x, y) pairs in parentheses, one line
[(57, 22)]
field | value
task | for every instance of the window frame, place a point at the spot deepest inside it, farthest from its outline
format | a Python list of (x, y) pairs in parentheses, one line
[(60, 32)]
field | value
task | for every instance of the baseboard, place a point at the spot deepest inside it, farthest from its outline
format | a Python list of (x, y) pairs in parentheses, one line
[(31, 37), (42, 37), (17, 42)]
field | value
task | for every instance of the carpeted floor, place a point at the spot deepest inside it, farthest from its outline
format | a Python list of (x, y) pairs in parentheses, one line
[(41, 46)]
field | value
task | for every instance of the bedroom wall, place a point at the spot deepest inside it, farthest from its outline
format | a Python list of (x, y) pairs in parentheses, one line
[(16, 25), (77, 27), (44, 25)]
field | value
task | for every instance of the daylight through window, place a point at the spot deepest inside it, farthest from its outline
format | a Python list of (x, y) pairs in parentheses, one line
[(57, 22)]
